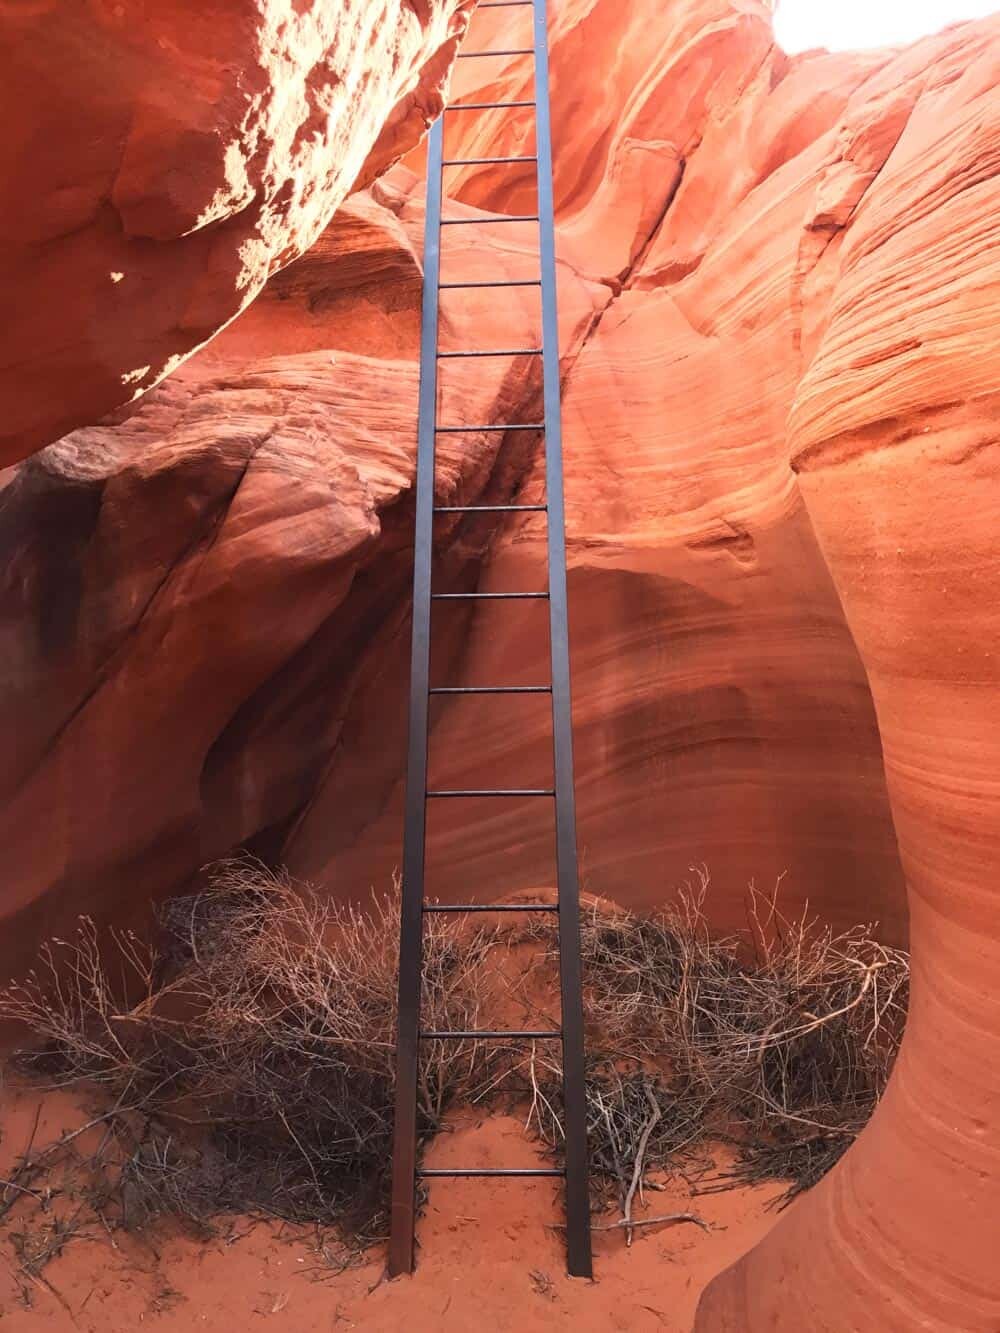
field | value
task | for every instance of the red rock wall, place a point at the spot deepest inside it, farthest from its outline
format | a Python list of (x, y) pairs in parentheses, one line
[(226, 662), (894, 436), (779, 289), (722, 714), (161, 159)]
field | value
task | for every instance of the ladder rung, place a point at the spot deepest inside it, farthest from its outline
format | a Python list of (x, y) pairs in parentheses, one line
[(491, 689), (480, 222), (510, 425), (492, 1034), (486, 161), (493, 509), (491, 907), (481, 55), (499, 351), (429, 1174), (507, 282), (496, 791), (483, 106), (488, 596)]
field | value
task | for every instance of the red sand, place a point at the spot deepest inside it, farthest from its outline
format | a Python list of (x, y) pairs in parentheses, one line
[(489, 1260)]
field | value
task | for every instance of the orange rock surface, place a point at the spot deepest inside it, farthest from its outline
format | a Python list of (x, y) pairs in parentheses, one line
[(779, 291), (160, 160), (721, 712), (226, 664), (893, 434)]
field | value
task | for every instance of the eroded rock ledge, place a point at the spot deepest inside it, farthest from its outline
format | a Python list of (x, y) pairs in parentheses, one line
[(161, 160)]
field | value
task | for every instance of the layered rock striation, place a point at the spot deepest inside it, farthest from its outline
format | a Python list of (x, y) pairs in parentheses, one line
[(893, 434), (721, 710), (778, 287), (722, 713)]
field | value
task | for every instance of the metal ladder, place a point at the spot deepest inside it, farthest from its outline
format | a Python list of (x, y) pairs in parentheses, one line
[(409, 1034)]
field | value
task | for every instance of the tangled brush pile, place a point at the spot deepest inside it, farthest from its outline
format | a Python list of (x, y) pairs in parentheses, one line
[(244, 1063), (780, 1039)]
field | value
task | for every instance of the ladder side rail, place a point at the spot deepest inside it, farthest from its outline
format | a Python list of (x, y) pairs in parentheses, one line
[(404, 1151), (578, 1239)]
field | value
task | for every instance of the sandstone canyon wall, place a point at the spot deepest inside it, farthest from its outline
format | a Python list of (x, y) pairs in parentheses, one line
[(721, 711), (894, 436), (160, 160), (205, 598), (778, 287)]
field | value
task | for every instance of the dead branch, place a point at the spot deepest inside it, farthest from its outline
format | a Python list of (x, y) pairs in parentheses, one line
[(640, 1158), (629, 1224)]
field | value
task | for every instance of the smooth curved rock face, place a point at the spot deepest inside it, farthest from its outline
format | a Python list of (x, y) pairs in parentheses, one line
[(764, 261), (894, 435), (160, 160), (188, 594), (722, 713)]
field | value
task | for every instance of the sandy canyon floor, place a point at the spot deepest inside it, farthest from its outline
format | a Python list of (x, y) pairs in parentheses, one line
[(490, 1259)]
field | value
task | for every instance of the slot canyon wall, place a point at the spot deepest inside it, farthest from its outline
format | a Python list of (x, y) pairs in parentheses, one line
[(161, 160), (893, 434), (779, 289), (204, 656)]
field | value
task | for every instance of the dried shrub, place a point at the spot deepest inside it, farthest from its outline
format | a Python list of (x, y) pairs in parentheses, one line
[(245, 1062), (781, 1037), (71, 1004), (253, 1068), (636, 1124)]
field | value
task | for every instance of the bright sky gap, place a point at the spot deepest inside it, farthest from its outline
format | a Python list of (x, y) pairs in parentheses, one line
[(845, 25)]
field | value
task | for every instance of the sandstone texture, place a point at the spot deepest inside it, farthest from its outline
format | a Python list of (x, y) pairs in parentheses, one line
[(779, 289), (192, 596), (160, 160), (894, 436), (205, 600), (722, 714)]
